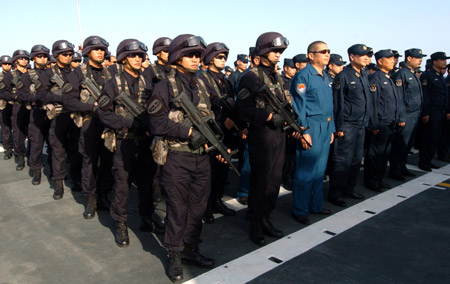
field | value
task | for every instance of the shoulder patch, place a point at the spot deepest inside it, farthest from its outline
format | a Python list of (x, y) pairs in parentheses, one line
[(373, 88), (155, 106), (301, 89), (398, 82), (19, 85), (243, 94), (337, 85), (424, 82), (2, 85), (104, 101)]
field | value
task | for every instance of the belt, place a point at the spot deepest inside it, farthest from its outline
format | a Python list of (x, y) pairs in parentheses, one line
[(320, 118)]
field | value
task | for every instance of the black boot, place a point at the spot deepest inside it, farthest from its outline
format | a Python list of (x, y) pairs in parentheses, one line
[(269, 230), (219, 207), (256, 234), (91, 206), (20, 163), (8, 154), (191, 255), (59, 190), (150, 225), (102, 202), (122, 239), (76, 186), (175, 271), (37, 177), (208, 217)]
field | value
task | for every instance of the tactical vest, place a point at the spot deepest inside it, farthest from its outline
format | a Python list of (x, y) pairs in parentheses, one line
[(177, 115), (35, 84), (16, 78), (274, 88), (213, 83), (85, 95), (119, 109), (54, 109)]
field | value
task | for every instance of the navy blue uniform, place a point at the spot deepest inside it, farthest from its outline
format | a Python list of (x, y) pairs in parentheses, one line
[(352, 108), (410, 96), (435, 105), (313, 101), (386, 114), (443, 151), (5, 121)]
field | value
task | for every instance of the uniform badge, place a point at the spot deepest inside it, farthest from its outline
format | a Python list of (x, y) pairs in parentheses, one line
[(424, 82), (398, 83), (155, 106), (373, 88), (337, 86), (104, 102), (301, 89), (357, 74)]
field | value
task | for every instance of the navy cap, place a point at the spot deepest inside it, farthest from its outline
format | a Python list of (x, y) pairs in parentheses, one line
[(396, 54), (439, 55), (402, 64), (337, 59), (243, 58), (228, 69), (360, 49), (384, 53), (289, 62), (251, 51), (372, 66), (299, 58), (414, 52)]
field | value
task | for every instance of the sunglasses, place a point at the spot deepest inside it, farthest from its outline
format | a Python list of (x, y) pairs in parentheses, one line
[(323, 51), (113, 62), (67, 54), (133, 55), (6, 64), (23, 58), (193, 54), (221, 57)]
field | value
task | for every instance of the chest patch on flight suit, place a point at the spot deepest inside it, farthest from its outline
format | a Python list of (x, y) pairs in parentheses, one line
[(373, 88), (155, 106), (301, 89), (337, 86), (424, 82), (398, 83)]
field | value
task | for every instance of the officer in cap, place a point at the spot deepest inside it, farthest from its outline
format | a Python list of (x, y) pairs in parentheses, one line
[(288, 71), (132, 158), (371, 68), (396, 59), (352, 107), (387, 116), (228, 70), (5, 109), (20, 117), (410, 96), (215, 56), (96, 181), (186, 173), (242, 64), (335, 66), (63, 133), (76, 60), (313, 101), (436, 109), (266, 140), (39, 123), (300, 61)]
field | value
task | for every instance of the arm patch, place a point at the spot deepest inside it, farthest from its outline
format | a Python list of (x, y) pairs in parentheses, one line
[(104, 102), (155, 106)]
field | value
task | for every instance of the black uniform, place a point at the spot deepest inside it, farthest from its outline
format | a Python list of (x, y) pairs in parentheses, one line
[(6, 119), (291, 142), (443, 151), (132, 159)]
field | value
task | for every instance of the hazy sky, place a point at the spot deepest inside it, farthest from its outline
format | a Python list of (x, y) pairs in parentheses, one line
[(379, 24)]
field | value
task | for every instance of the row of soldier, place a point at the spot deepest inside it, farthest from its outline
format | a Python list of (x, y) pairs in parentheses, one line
[(106, 120)]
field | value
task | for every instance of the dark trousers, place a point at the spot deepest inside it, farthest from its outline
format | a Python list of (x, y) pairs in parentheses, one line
[(186, 180), (429, 136), (267, 149), (19, 121), (219, 174), (95, 178), (346, 161), (402, 143), (378, 154), (37, 133), (63, 138), (6, 127), (443, 150), (289, 162), (132, 162)]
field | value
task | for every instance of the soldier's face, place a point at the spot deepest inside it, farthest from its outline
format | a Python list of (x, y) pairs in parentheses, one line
[(241, 65), (164, 55), (113, 60), (335, 69), (220, 60), (146, 62), (191, 61), (386, 63), (274, 56), (6, 67), (22, 62), (360, 60), (440, 63), (320, 56), (40, 60), (290, 72), (300, 65), (97, 55), (395, 61), (75, 64), (414, 62), (65, 58), (133, 61)]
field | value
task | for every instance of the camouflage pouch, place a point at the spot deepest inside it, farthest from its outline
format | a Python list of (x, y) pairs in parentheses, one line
[(159, 149), (110, 139), (77, 119), (2, 104), (50, 110)]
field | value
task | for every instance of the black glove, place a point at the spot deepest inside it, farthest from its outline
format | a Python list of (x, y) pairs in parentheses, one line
[(197, 139), (277, 121)]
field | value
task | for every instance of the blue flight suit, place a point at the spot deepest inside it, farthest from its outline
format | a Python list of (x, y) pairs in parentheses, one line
[(410, 96), (435, 105), (386, 114), (352, 107), (313, 101)]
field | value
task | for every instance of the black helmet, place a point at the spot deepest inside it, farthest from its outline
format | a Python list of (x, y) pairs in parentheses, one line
[(6, 59), (61, 46), (129, 46), (184, 44), (213, 49), (94, 42), (77, 57), (19, 54), (39, 49), (51, 60), (161, 44), (270, 41)]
